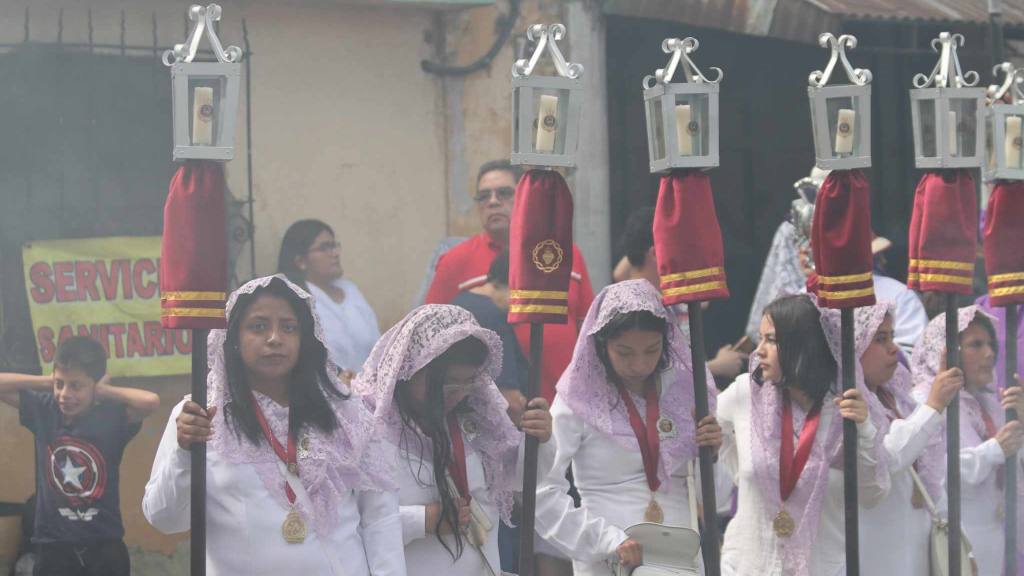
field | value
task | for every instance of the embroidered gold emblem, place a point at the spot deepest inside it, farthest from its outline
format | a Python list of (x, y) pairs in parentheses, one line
[(548, 256)]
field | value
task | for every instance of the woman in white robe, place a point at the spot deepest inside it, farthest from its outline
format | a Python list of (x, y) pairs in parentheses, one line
[(985, 439), (430, 381), (311, 257), (630, 374), (802, 535), (913, 441), (323, 505)]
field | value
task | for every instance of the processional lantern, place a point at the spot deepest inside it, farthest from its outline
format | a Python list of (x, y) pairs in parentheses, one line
[(546, 109), (947, 111), (682, 117), (1005, 118), (841, 113), (204, 93)]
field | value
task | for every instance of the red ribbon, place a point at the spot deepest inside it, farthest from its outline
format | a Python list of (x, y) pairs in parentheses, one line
[(791, 464), (289, 456), (457, 466), (650, 444)]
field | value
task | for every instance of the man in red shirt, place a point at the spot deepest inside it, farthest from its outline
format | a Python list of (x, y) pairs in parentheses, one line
[(465, 266)]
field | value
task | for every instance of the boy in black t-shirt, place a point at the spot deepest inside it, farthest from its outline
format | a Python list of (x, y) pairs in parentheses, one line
[(81, 425)]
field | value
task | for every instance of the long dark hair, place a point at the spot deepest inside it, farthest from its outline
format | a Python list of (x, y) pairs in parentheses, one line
[(431, 420), (307, 404), (635, 320), (805, 359), (297, 241)]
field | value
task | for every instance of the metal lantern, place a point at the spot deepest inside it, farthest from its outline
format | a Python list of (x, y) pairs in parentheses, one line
[(1005, 118), (682, 117), (947, 112), (204, 94), (841, 114), (546, 109)]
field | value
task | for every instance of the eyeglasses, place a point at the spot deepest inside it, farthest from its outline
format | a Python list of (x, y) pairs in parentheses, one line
[(504, 194), (325, 247)]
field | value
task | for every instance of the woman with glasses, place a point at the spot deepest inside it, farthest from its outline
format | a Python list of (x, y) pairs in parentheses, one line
[(310, 257), (430, 380)]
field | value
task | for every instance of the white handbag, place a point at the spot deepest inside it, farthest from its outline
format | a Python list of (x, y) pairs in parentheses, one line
[(667, 550), (939, 541)]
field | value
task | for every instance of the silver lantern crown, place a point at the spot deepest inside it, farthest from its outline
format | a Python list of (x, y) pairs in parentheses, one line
[(546, 109), (204, 94), (948, 112), (840, 114), (682, 117), (1006, 116)]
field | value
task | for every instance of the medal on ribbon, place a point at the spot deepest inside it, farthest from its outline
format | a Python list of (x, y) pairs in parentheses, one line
[(293, 529), (792, 462), (647, 436)]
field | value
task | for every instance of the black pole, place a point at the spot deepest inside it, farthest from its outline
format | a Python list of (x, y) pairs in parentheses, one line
[(1010, 484), (530, 457), (953, 438), (850, 447), (709, 535), (995, 24), (197, 537)]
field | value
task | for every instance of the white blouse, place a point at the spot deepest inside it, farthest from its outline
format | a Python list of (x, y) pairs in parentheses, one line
[(350, 326), (243, 522), (896, 519), (612, 484), (749, 538), (424, 554)]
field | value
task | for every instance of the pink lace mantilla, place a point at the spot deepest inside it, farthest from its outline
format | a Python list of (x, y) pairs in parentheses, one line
[(407, 348), (586, 388), (332, 465)]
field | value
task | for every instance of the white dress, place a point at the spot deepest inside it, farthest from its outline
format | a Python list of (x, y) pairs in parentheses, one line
[(243, 522), (981, 499), (424, 554), (750, 532), (896, 519), (350, 327), (612, 484)]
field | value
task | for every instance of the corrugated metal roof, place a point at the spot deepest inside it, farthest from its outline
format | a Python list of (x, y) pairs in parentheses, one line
[(938, 10)]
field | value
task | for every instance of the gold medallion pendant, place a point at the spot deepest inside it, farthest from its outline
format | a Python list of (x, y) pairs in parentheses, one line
[(293, 529), (783, 524), (654, 513)]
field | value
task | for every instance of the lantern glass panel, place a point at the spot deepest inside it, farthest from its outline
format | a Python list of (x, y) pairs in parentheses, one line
[(551, 110), (844, 132), (962, 127), (655, 129), (926, 114), (206, 119), (1012, 140), (691, 124)]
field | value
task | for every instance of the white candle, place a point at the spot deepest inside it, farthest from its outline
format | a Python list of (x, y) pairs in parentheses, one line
[(951, 126), (202, 116), (547, 123), (844, 131), (683, 135), (1012, 142)]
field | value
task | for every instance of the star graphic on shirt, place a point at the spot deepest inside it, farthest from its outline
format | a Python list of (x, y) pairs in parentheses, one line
[(72, 474)]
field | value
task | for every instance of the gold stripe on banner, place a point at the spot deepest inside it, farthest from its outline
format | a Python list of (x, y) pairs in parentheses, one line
[(1007, 291), (846, 294), (194, 312), (538, 295), (693, 288), (199, 296), (1007, 277), (965, 281), (692, 275), (945, 264), (537, 309), (848, 279)]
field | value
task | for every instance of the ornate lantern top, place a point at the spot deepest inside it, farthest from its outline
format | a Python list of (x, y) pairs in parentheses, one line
[(204, 18), (1011, 84), (546, 36), (947, 72), (680, 51), (857, 76)]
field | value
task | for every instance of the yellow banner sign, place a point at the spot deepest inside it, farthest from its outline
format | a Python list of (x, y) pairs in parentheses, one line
[(108, 289)]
